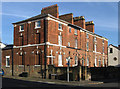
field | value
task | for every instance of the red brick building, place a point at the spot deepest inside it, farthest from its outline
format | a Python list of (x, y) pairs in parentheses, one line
[(43, 43)]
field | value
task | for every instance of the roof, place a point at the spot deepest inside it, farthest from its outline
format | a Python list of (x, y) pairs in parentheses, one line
[(32, 18), (115, 47), (10, 46)]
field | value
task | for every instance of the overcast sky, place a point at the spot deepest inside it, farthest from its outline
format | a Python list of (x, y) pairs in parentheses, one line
[(104, 15)]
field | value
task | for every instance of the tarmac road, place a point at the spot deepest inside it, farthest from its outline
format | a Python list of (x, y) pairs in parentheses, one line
[(9, 82)]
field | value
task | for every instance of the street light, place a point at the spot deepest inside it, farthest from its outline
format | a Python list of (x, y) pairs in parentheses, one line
[(68, 59)]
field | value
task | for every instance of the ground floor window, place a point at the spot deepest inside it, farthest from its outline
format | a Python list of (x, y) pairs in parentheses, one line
[(7, 61), (59, 60), (95, 61)]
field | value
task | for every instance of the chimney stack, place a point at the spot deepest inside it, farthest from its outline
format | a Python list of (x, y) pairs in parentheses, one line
[(79, 21), (52, 10), (90, 26)]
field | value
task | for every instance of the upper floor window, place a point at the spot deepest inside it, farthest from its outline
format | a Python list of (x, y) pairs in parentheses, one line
[(7, 61), (37, 24), (59, 39), (21, 27), (103, 41), (87, 36), (111, 50), (60, 26), (75, 32), (76, 43), (103, 49), (95, 38), (95, 47), (69, 29), (87, 46), (68, 44)]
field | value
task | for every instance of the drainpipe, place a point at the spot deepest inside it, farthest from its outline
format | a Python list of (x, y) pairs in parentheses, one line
[(45, 47)]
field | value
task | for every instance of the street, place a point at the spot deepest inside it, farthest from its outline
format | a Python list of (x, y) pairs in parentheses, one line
[(9, 82)]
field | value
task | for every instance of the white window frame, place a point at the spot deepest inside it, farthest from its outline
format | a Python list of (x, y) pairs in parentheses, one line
[(7, 61), (36, 24), (75, 31), (60, 60), (59, 40), (21, 27), (76, 43)]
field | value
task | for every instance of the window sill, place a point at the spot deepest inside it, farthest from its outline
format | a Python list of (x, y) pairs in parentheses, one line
[(21, 30), (37, 27), (60, 29), (60, 65), (21, 65), (7, 66)]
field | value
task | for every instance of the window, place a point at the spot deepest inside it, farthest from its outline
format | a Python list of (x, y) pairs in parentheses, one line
[(69, 29), (103, 49), (7, 61), (111, 50), (115, 59), (76, 58), (103, 62), (99, 62), (95, 38), (60, 26), (82, 61), (21, 27), (59, 39), (95, 61), (76, 43), (87, 46), (95, 47), (37, 24), (87, 36), (59, 60), (103, 41), (68, 44), (87, 61), (75, 32)]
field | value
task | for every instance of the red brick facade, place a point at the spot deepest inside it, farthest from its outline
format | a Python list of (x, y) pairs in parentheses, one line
[(31, 44)]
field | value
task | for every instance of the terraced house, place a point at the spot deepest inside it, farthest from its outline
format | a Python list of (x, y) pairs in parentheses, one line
[(44, 44)]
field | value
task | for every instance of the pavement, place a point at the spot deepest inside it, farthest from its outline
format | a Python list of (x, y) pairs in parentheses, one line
[(52, 81)]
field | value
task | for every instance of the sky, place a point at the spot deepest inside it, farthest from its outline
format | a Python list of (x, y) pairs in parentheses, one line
[(103, 14)]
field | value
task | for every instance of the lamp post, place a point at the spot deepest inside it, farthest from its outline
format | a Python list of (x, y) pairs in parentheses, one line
[(68, 68)]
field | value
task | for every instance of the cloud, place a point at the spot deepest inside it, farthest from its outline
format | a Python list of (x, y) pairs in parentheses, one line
[(22, 16)]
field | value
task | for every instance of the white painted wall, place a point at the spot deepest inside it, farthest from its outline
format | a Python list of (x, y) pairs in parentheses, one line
[(111, 61)]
